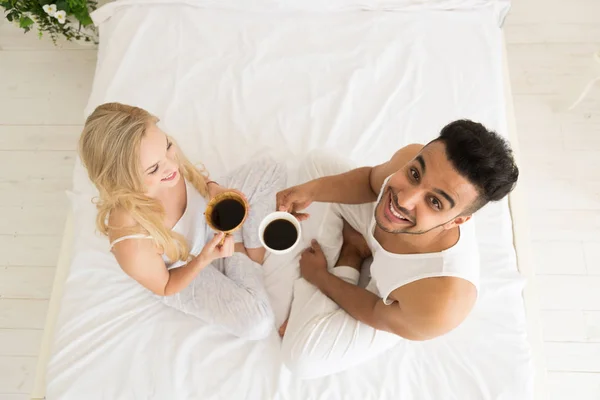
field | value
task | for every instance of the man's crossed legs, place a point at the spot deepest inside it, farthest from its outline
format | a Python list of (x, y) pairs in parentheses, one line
[(321, 338)]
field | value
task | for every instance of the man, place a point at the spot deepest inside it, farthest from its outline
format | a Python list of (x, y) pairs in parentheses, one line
[(425, 268)]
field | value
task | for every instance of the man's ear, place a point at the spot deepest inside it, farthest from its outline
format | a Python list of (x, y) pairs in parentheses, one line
[(461, 219)]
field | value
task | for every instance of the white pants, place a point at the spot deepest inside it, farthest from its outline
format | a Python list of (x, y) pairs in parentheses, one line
[(230, 293), (321, 338)]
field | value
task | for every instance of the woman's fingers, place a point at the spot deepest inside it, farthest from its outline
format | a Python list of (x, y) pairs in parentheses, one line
[(228, 247), (215, 241)]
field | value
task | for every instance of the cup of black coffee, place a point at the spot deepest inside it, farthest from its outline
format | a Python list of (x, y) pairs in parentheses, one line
[(279, 232), (226, 212)]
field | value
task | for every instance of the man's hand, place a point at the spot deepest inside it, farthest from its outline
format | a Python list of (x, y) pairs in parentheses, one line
[(313, 265), (295, 199)]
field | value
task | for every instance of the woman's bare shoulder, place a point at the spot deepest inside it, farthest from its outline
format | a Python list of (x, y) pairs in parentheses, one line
[(120, 222)]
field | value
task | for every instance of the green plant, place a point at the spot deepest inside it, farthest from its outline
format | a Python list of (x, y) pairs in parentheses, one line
[(55, 18)]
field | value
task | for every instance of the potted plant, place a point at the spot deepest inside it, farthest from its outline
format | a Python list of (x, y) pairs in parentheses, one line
[(55, 18)]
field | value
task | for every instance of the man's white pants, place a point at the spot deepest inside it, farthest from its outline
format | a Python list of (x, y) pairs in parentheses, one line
[(321, 338)]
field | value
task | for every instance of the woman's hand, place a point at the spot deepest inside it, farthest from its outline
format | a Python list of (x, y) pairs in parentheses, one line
[(213, 250)]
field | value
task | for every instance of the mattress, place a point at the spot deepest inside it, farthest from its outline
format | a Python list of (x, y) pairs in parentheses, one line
[(231, 85)]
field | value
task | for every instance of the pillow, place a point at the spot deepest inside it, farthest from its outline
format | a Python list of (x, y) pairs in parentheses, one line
[(500, 7)]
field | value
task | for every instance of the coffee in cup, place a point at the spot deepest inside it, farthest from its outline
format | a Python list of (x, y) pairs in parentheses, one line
[(279, 232), (226, 212)]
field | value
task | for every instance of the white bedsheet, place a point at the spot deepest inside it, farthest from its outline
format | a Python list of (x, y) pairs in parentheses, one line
[(230, 85)]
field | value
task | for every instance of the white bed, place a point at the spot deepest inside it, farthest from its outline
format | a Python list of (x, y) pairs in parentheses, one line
[(229, 84)]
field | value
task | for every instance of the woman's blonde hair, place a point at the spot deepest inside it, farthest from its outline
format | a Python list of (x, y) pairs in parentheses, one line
[(110, 150)]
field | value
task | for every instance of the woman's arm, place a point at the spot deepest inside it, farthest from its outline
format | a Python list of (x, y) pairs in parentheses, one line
[(140, 259)]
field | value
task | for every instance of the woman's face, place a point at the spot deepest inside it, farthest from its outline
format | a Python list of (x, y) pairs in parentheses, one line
[(160, 168)]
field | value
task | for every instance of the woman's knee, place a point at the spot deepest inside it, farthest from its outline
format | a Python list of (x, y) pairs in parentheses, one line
[(274, 174)]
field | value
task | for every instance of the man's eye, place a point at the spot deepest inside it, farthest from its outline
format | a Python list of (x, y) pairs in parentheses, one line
[(415, 174), (436, 203)]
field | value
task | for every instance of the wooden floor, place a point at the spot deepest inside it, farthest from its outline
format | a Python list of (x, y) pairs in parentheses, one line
[(551, 47), (550, 44)]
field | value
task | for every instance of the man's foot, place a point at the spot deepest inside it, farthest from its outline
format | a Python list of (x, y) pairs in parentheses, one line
[(283, 327), (354, 239), (354, 250)]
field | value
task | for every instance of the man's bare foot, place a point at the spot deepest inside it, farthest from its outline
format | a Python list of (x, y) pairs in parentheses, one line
[(353, 238), (354, 250), (283, 327)]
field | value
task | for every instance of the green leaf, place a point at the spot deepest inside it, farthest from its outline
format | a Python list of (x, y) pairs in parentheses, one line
[(25, 23), (63, 5), (73, 4), (86, 20), (84, 17)]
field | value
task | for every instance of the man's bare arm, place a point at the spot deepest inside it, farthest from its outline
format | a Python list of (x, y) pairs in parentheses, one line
[(358, 186), (428, 308)]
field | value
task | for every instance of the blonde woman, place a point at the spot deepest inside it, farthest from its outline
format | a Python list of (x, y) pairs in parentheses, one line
[(151, 206)]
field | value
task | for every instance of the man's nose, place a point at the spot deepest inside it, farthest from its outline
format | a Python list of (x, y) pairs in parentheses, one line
[(409, 198)]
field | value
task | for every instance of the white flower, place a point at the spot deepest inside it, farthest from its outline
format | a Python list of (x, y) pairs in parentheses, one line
[(61, 16), (50, 9)]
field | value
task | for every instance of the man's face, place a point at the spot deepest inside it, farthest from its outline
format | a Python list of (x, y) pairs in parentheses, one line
[(425, 194)]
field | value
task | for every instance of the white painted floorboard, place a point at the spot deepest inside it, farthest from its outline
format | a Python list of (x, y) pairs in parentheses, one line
[(550, 46), (550, 50), (41, 114)]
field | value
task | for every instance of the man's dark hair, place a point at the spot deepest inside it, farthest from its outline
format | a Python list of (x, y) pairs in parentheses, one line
[(481, 156)]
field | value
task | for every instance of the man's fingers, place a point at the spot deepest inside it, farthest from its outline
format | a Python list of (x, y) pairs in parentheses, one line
[(301, 216), (315, 245), (283, 200)]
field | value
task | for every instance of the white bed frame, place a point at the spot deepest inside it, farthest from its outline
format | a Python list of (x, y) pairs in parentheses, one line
[(522, 243)]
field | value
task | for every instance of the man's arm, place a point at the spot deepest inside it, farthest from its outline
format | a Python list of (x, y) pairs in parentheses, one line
[(358, 186), (352, 187), (361, 185), (421, 310)]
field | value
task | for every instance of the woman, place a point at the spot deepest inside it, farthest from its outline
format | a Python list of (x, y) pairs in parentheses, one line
[(151, 206)]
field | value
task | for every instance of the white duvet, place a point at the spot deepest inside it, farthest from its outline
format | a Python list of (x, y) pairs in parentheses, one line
[(229, 85)]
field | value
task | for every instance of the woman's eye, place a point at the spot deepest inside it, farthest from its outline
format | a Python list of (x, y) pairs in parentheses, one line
[(436, 203), (154, 170), (415, 174), (169, 145)]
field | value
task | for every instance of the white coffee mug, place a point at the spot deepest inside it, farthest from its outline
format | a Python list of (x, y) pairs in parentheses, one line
[(275, 216)]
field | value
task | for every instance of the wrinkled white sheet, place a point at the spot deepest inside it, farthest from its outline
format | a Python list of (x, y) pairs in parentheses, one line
[(230, 85)]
